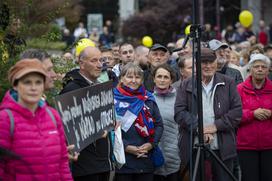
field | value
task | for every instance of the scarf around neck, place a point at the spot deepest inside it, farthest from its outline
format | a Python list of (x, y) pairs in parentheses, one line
[(131, 109)]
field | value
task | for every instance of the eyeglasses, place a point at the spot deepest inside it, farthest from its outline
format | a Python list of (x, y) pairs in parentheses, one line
[(104, 59)]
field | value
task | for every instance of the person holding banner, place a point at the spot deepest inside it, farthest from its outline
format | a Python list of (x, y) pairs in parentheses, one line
[(94, 162), (141, 124), (31, 129)]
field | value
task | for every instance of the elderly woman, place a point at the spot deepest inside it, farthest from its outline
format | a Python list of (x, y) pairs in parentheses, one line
[(165, 96), (31, 129), (141, 124), (254, 134)]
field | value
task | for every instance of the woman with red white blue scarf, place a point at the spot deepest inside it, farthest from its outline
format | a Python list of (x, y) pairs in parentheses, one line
[(141, 124)]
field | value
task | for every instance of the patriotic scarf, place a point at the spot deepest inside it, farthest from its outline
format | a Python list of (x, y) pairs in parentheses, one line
[(130, 109)]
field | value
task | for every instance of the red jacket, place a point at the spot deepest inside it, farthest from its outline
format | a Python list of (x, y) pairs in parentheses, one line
[(37, 140), (253, 134)]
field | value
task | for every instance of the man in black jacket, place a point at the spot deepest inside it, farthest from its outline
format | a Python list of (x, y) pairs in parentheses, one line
[(94, 162)]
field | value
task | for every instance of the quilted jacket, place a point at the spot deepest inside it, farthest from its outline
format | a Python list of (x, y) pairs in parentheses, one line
[(39, 143)]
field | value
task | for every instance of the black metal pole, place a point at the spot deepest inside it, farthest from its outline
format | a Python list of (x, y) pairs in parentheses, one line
[(197, 35)]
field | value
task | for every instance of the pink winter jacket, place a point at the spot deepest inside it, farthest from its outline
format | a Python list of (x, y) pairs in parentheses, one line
[(40, 144), (253, 134)]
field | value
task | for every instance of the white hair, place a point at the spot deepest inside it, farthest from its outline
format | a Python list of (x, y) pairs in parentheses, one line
[(260, 57)]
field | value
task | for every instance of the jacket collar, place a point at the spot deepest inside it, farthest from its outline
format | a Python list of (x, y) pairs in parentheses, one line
[(218, 80), (250, 88), (76, 77)]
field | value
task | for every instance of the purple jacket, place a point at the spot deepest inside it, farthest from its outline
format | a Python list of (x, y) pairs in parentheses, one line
[(253, 134), (39, 143)]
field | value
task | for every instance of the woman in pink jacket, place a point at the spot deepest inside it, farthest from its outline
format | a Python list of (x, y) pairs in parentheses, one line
[(30, 129), (254, 136)]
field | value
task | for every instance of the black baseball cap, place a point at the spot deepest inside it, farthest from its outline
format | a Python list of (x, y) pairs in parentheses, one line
[(158, 46)]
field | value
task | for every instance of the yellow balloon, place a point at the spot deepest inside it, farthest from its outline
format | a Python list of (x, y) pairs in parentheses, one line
[(82, 44), (147, 41), (246, 18), (187, 30)]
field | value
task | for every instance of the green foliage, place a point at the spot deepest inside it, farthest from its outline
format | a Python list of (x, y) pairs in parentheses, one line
[(54, 34), (61, 67), (40, 43), (34, 17), (4, 67)]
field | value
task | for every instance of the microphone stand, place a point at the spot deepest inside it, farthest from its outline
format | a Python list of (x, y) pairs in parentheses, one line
[(202, 147)]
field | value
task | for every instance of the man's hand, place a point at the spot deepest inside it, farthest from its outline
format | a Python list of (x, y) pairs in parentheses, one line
[(208, 138), (105, 134), (72, 156), (117, 124), (210, 129)]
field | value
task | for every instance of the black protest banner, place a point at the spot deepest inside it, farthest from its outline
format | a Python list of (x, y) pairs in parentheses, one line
[(86, 113)]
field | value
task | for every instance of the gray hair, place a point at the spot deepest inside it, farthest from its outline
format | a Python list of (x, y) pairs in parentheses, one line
[(35, 53), (260, 57), (132, 68)]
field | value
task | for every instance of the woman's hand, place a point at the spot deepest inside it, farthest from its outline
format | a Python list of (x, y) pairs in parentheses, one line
[(72, 156), (139, 151), (262, 114), (145, 148), (132, 149)]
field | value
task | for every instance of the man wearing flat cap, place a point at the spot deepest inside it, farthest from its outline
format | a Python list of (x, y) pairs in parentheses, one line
[(222, 112), (158, 55)]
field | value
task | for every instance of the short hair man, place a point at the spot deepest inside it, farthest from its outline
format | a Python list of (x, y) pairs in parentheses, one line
[(221, 50), (222, 111), (127, 54), (107, 57), (94, 161), (185, 65), (158, 55), (45, 58), (141, 56)]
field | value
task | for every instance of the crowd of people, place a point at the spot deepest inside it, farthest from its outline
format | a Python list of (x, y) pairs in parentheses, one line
[(155, 103)]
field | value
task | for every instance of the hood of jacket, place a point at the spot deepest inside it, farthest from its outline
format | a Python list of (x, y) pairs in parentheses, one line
[(248, 86), (76, 77)]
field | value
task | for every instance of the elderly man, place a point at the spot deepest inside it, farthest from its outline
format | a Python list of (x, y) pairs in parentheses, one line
[(222, 51), (158, 54), (94, 162), (222, 112)]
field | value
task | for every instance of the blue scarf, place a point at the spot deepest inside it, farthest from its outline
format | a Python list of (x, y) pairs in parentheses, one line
[(133, 101)]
